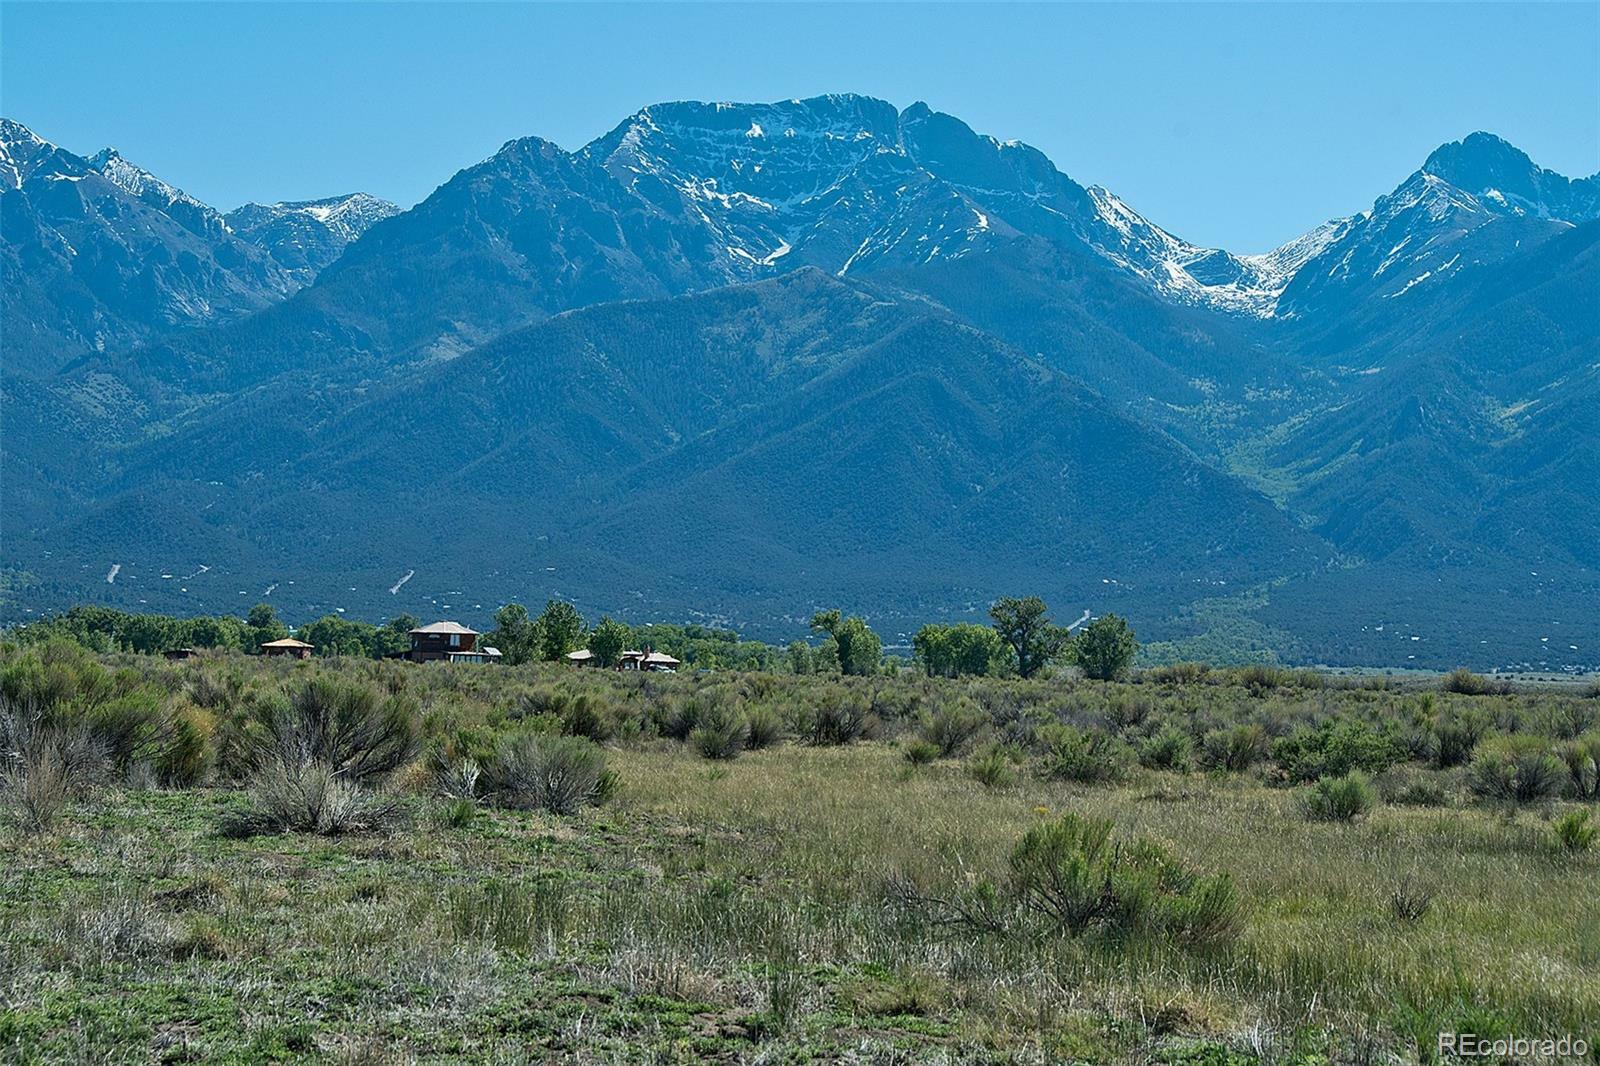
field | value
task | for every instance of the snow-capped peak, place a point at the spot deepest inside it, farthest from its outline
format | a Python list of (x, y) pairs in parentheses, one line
[(189, 212), (1504, 180), (22, 152), (347, 216)]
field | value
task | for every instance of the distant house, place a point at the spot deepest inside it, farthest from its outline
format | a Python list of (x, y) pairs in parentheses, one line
[(179, 654), (297, 649), (649, 659), (449, 642)]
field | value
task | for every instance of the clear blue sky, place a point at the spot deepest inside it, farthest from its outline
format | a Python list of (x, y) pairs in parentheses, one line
[(1234, 125)]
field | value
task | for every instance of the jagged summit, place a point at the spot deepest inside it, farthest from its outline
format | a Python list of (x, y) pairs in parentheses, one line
[(305, 236), (1506, 179), (24, 153), (621, 360), (192, 214)]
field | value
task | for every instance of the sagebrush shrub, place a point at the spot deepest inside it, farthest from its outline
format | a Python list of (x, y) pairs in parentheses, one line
[(1466, 683), (1170, 749), (952, 724), (557, 774), (1406, 786), (1071, 875), (456, 777), (344, 725), (43, 765), (1340, 799), (1582, 757), (838, 716), (680, 714), (1234, 749), (763, 728), (311, 797), (1516, 769), (1336, 748), (1185, 673), (1458, 734), (145, 727), (993, 767), (1260, 679), (1085, 756), (587, 715), (719, 732)]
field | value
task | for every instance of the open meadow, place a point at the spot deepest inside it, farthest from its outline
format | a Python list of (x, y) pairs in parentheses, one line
[(240, 859)]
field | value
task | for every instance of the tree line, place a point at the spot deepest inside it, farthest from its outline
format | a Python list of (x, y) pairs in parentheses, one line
[(1021, 639)]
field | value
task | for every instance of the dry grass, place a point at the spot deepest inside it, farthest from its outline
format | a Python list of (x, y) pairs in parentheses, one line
[(750, 909)]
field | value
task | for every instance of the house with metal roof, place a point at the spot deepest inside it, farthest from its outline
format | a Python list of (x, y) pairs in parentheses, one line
[(648, 659), (448, 642), (297, 649)]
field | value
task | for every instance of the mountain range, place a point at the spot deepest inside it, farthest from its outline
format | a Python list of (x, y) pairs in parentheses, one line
[(738, 361)]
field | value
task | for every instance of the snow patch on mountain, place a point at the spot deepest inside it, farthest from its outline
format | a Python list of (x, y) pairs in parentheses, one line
[(21, 152), (192, 214), (347, 217), (1212, 277)]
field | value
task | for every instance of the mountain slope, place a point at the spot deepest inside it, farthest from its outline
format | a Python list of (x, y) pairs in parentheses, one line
[(305, 236), (679, 198), (741, 357), (99, 255), (770, 441), (1447, 217)]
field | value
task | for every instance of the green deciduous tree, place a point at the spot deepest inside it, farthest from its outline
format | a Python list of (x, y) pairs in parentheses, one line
[(964, 648), (560, 630), (332, 635), (1105, 649), (394, 636), (607, 640), (263, 625), (1024, 626), (858, 648), (515, 634)]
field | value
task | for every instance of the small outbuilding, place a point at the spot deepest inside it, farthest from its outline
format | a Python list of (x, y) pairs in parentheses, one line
[(180, 654), (296, 649), (484, 654), (649, 659)]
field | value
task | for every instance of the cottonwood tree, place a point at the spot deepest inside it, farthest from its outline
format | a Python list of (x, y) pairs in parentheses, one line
[(1105, 649), (515, 634), (858, 648), (956, 650), (1025, 626), (394, 636), (264, 626), (607, 640), (560, 629)]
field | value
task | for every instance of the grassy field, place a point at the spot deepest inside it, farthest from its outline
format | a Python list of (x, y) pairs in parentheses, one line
[(846, 892)]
